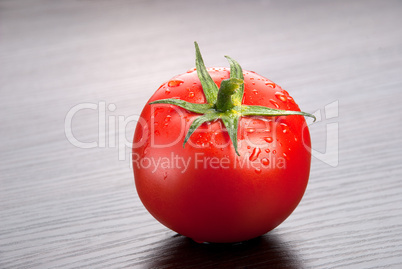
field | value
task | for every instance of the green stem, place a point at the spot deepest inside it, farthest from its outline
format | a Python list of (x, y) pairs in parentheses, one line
[(224, 103), (228, 88)]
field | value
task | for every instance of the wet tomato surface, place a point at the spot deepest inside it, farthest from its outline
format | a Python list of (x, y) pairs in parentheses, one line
[(235, 174)]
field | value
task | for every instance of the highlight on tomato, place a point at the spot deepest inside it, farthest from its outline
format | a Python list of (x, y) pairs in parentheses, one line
[(221, 154)]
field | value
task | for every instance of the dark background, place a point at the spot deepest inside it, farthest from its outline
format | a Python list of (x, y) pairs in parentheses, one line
[(65, 206)]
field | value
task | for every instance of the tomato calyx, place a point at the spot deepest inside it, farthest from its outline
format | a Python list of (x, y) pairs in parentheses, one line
[(224, 103), (228, 87)]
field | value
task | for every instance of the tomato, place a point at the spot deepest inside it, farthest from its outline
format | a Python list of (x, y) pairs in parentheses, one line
[(221, 165)]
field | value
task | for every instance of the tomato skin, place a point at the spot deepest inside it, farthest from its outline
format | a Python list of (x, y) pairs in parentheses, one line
[(204, 190)]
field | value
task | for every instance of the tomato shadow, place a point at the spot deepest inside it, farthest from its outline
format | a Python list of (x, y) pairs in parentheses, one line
[(266, 251)]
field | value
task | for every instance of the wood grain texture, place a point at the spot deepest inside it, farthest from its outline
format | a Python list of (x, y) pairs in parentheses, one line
[(66, 207)]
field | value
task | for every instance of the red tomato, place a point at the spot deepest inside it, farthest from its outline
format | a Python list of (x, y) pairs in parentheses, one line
[(205, 189)]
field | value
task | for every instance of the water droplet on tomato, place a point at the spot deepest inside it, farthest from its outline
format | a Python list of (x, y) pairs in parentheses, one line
[(252, 83), (268, 139), (291, 100), (281, 96), (255, 91), (167, 120), (250, 130), (274, 151), (285, 128), (295, 139), (167, 91), (265, 161), (175, 82), (285, 156), (254, 154), (145, 149), (274, 103), (270, 84), (267, 150), (191, 94), (258, 170)]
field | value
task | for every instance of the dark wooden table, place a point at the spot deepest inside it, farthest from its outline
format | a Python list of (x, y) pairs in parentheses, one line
[(67, 195)]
